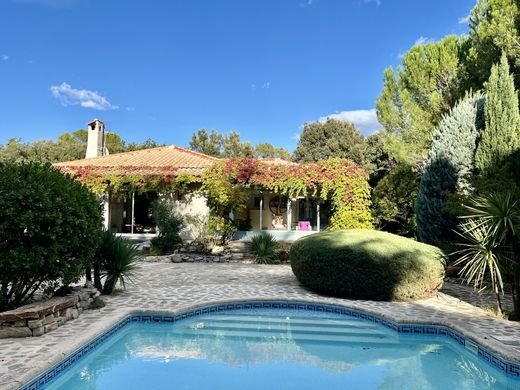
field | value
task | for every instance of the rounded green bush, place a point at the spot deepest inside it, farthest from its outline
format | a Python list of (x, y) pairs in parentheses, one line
[(50, 228), (367, 264)]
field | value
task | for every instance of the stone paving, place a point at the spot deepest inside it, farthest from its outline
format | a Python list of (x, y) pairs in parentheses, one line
[(172, 287)]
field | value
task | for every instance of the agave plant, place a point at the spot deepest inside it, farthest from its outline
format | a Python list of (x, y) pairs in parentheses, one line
[(491, 247), (118, 259), (263, 247)]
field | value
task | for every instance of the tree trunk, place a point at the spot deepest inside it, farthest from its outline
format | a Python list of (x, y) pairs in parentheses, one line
[(516, 294), (97, 276), (88, 274), (109, 286), (499, 302)]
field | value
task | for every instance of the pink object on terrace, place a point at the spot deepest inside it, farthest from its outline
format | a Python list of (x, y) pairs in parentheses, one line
[(304, 225)]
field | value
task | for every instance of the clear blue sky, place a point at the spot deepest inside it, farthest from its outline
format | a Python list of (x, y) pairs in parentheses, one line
[(164, 68)]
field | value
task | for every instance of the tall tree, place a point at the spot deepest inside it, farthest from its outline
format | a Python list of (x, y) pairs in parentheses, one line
[(69, 146), (232, 146), (332, 138), (266, 150), (494, 29), (501, 137), (210, 144), (413, 101), (448, 169)]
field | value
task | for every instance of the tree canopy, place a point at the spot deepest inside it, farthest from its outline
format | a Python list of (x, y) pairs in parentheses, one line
[(69, 146), (330, 139), (230, 145)]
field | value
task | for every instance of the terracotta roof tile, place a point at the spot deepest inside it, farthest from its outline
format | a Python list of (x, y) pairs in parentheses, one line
[(164, 160)]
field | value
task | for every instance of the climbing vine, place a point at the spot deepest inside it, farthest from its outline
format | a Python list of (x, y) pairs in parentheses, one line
[(228, 184), (122, 182), (343, 183)]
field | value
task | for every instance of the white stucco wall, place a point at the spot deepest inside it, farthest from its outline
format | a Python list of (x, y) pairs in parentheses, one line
[(190, 206)]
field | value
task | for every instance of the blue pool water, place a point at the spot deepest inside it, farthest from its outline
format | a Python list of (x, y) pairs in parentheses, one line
[(277, 349)]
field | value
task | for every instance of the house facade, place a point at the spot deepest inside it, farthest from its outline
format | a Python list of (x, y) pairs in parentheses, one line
[(129, 213)]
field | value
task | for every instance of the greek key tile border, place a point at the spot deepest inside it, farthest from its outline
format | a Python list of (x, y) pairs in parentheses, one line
[(507, 367)]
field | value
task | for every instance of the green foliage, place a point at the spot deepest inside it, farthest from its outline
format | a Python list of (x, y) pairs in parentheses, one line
[(266, 150), (263, 247), (491, 244), (367, 264), (169, 225), (378, 158), (211, 231), (97, 303), (448, 169), (118, 260), (230, 145), (68, 147), (393, 200), (493, 31), (210, 144), (227, 186), (330, 139), (502, 134), (49, 228), (413, 102)]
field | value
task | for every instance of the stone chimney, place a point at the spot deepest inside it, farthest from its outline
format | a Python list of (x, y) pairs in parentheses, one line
[(96, 139)]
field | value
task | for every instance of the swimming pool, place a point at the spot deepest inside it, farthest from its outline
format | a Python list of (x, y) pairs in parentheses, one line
[(273, 348)]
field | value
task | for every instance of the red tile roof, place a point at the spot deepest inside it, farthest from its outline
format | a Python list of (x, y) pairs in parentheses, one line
[(165, 160)]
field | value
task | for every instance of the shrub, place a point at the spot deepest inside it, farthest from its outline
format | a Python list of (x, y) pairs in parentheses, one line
[(118, 260), (448, 170), (49, 230), (212, 231), (169, 225), (263, 247), (367, 264), (393, 199)]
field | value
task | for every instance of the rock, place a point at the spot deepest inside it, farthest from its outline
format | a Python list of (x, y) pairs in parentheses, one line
[(84, 296), (216, 260), (50, 327), (14, 331), (217, 249), (37, 310), (61, 321), (190, 259), (50, 319), (33, 324), (176, 258), (74, 313), (38, 331), (20, 323), (68, 314)]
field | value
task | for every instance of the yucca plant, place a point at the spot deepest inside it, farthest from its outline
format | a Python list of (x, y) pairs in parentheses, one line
[(118, 259), (263, 247), (491, 247)]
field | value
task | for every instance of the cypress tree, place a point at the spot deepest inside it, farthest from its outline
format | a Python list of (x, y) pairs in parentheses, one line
[(448, 168), (501, 136)]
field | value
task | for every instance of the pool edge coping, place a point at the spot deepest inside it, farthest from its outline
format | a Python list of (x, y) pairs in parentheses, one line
[(486, 352)]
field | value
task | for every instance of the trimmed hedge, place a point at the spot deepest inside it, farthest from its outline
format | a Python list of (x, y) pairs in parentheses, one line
[(367, 264)]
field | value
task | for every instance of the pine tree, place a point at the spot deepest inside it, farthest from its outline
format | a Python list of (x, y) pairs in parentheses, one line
[(502, 133), (448, 168)]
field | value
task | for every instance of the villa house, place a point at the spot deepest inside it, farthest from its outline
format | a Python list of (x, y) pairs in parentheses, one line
[(131, 215)]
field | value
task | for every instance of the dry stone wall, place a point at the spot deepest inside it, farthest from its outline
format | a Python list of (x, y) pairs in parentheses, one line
[(42, 317)]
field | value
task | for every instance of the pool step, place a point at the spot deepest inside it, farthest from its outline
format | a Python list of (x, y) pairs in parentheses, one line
[(285, 328), (346, 339), (293, 321)]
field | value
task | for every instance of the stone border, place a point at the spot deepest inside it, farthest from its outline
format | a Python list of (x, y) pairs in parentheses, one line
[(38, 318), (509, 368)]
